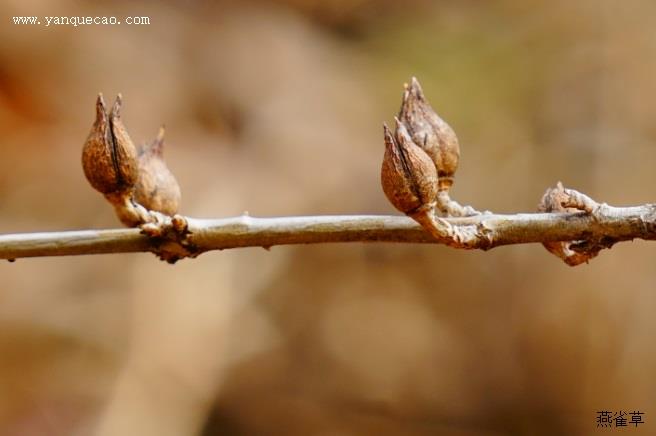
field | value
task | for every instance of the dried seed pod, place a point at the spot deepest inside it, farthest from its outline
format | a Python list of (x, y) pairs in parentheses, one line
[(408, 175), (431, 133), (156, 189), (109, 158)]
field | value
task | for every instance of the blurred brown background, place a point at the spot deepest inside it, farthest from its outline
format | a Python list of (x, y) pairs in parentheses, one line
[(275, 108)]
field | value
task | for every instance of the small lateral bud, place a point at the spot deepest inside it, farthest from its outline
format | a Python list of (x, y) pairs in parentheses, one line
[(156, 189), (408, 176), (109, 158), (431, 133)]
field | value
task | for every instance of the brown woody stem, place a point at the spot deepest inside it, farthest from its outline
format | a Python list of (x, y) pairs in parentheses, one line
[(605, 225)]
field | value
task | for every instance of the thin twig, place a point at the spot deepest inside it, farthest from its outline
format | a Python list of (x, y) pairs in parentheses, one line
[(604, 226)]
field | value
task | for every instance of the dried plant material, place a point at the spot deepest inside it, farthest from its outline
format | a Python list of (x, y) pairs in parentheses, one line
[(109, 158), (156, 189), (431, 133), (408, 176), (409, 180), (139, 186), (109, 161), (559, 199), (128, 211), (415, 178), (451, 208)]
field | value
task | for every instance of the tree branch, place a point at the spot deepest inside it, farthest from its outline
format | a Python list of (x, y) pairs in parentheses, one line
[(419, 164), (600, 228)]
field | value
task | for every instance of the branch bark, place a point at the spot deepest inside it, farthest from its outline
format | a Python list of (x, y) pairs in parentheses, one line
[(600, 228)]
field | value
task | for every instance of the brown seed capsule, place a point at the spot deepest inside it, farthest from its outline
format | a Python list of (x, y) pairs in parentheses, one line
[(157, 189), (109, 158), (408, 175), (431, 133)]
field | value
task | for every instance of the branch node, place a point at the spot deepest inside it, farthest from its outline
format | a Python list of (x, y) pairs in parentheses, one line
[(451, 208), (172, 237), (561, 199)]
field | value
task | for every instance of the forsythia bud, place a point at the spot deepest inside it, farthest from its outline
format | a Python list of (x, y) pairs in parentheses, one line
[(157, 189), (408, 175), (431, 133), (109, 158)]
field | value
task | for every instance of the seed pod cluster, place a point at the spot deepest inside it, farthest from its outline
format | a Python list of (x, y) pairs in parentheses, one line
[(420, 160), (133, 181)]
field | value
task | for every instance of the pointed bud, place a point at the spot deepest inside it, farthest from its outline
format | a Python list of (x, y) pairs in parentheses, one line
[(408, 176), (157, 188), (431, 133), (109, 158)]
